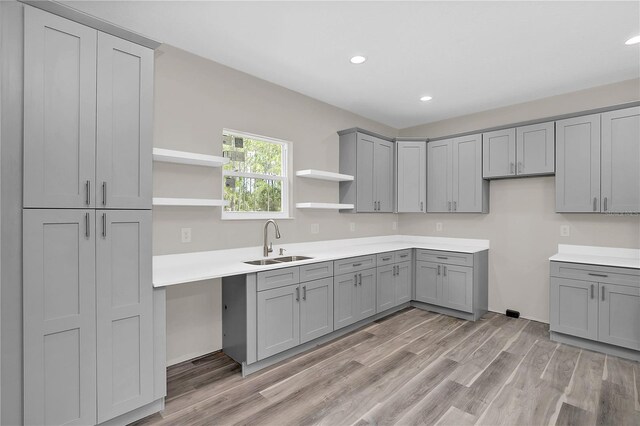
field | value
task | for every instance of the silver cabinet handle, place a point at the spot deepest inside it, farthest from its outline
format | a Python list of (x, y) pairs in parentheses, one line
[(444, 271), (441, 257), (512, 168), (598, 275), (602, 293), (402, 256), (421, 206), (297, 294), (592, 288), (455, 206), (104, 193), (605, 204), (87, 230), (438, 270), (87, 191), (355, 280), (360, 276), (304, 292), (386, 258), (519, 166), (595, 201), (449, 206), (397, 269), (104, 225), (357, 264)]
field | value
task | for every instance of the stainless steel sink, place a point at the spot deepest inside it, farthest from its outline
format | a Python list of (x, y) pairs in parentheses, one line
[(284, 259), (292, 258), (262, 262)]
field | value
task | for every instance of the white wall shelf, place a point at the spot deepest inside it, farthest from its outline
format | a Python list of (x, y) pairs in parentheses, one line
[(324, 206), (324, 175), (195, 202), (183, 157)]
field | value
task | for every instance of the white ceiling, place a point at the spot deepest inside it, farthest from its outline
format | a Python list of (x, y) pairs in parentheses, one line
[(470, 56)]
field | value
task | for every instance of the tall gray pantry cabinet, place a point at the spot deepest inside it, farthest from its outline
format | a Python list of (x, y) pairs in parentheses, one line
[(93, 325)]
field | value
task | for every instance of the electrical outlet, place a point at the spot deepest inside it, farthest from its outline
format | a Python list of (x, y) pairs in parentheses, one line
[(439, 226), (565, 230), (315, 228), (394, 225), (185, 235), (352, 226)]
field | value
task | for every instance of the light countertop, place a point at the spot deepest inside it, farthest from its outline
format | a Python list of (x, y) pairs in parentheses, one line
[(188, 267), (605, 256)]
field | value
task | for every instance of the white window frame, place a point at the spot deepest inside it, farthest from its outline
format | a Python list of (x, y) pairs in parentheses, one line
[(285, 178)]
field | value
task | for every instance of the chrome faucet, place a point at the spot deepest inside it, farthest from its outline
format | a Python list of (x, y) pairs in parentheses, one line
[(266, 249)]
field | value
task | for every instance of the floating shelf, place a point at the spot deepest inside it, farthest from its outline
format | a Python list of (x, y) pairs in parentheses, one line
[(324, 206), (323, 175), (202, 202), (182, 157)]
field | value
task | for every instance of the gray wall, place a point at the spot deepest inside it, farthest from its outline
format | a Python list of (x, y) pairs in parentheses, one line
[(195, 99), (522, 226), (11, 219)]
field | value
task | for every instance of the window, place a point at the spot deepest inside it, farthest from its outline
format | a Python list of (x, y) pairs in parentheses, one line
[(255, 181)]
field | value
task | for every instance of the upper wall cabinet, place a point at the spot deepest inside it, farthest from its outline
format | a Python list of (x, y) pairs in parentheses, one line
[(454, 176), (522, 151), (87, 117), (598, 163), (370, 159), (411, 176)]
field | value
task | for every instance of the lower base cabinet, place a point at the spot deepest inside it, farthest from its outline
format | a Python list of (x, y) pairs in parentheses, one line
[(596, 303), (393, 285), (354, 297)]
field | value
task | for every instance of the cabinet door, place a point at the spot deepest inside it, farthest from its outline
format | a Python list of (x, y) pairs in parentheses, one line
[(573, 307), (365, 183), (411, 172), (385, 282), (429, 283), (457, 287), (403, 282), (467, 193), (535, 147), (59, 111), (367, 293), (124, 124), (278, 320), (619, 322), (499, 153), (316, 309), (621, 160), (124, 311), (345, 300), (59, 317), (383, 174), (439, 176), (578, 164)]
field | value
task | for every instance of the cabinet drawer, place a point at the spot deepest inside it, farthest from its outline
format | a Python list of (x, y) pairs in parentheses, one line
[(386, 258), (404, 255), (596, 273), (316, 271), (278, 278), (353, 264), (446, 257)]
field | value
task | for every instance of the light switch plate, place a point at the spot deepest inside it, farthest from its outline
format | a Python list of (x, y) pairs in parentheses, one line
[(352, 226), (439, 226), (315, 228), (565, 230), (394, 225), (185, 234)]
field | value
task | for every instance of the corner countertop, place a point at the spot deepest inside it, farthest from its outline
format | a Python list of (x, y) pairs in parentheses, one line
[(189, 267), (604, 256)]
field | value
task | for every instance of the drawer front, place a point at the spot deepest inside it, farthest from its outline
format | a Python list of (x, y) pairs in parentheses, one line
[(316, 271), (354, 264), (596, 273), (278, 278), (386, 258), (445, 257), (404, 255)]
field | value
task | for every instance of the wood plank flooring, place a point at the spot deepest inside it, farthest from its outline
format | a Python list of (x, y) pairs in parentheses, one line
[(414, 367)]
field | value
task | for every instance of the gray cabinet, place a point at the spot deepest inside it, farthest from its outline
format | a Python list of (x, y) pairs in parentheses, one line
[(521, 151), (597, 303), (393, 280), (124, 124), (386, 294), (411, 176), (367, 290), (457, 287), (59, 111), (316, 309), (428, 283), (354, 297), (125, 323), (370, 159), (59, 317), (620, 166), (88, 117), (403, 282), (454, 181), (278, 316)]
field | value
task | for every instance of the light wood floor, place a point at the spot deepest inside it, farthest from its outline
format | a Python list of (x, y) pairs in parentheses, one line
[(414, 367)]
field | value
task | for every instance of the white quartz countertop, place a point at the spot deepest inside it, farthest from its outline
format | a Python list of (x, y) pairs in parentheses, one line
[(188, 267), (605, 256)]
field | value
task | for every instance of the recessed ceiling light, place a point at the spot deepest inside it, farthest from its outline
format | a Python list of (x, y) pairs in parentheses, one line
[(358, 59), (633, 40), (426, 98)]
